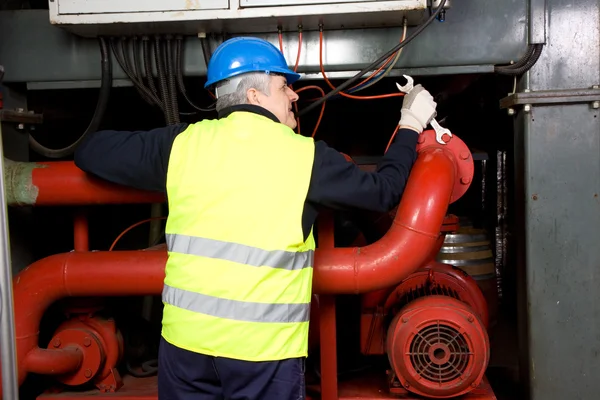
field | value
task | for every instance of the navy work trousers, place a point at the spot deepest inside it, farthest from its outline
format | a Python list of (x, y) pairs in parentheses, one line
[(185, 375)]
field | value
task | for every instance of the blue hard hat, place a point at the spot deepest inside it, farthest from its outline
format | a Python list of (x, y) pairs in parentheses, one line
[(241, 55)]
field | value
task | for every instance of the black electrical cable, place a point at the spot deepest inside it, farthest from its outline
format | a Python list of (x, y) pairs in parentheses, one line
[(531, 62), (171, 77), (105, 86), (179, 67), (375, 63), (162, 79), (148, 67), (139, 86), (520, 63), (121, 55), (519, 68), (205, 51), (138, 71), (124, 66)]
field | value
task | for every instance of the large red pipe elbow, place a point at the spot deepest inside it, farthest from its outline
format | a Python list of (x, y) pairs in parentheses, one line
[(407, 244), (122, 273)]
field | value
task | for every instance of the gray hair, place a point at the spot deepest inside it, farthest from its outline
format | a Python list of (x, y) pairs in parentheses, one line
[(257, 80)]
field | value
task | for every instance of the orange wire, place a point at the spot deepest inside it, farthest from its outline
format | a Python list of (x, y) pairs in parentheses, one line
[(322, 105), (130, 228), (382, 96), (280, 41), (295, 69), (392, 138), (299, 49)]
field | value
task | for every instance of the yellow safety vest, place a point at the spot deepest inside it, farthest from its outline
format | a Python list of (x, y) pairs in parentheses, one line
[(239, 272)]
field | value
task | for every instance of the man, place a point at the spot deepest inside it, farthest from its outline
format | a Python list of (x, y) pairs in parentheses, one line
[(243, 192)]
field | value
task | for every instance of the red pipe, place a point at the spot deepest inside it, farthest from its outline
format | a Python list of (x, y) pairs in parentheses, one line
[(327, 318), (63, 183), (328, 345), (408, 243), (81, 232), (88, 274), (54, 362)]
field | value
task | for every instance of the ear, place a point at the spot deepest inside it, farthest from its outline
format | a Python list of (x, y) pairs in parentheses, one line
[(252, 96)]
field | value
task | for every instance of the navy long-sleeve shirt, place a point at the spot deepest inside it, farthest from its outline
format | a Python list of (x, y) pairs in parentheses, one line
[(140, 159)]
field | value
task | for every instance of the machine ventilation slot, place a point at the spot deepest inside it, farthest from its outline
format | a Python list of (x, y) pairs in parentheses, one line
[(439, 353), (426, 290)]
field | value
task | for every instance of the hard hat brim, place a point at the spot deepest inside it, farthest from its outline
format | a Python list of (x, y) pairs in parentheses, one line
[(290, 75)]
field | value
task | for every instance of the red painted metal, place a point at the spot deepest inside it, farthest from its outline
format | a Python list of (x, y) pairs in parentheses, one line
[(441, 278), (375, 387), (62, 183), (438, 347), (78, 274), (101, 345), (132, 389), (464, 160), (60, 361), (430, 189), (327, 318), (373, 299), (431, 279), (81, 232), (328, 346)]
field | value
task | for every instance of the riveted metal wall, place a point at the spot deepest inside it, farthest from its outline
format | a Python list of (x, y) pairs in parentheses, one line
[(558, 181)]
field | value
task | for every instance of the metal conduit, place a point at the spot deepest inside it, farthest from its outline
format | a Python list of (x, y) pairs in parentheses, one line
[(8, 355)]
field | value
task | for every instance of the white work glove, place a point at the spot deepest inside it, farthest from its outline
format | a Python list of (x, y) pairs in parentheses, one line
[(418, 109)]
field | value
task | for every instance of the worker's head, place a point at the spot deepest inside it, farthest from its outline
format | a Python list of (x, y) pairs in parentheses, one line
[(248, 70)]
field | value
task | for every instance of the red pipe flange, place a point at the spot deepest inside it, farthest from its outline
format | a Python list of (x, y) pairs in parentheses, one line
[(102, 348), (438, 347), (465, 168), (87, 343)]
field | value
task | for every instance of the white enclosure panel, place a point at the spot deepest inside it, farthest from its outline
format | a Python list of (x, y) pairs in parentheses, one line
[(135, 6), (283, 3), (91, 18)]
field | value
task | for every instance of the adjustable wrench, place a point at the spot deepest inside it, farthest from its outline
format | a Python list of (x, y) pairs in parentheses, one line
[(439, 131)]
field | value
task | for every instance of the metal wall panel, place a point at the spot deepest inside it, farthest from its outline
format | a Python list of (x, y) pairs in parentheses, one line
[(560, 178), (475, 33)]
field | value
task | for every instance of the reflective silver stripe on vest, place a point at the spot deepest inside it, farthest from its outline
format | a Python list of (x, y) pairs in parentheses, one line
[(239, 253), (234, 309)]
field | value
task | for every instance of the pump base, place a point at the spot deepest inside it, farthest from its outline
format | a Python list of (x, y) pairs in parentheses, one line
[(367, 387)]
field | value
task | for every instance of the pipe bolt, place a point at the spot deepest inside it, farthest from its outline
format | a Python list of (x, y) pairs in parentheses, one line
[(88, 373), (404, 319), (87, 342), (465, 180), (471, 319), (421, 139), (56, 342), (464, 155)]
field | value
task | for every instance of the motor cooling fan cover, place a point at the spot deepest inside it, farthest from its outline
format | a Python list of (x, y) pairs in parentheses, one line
[(438, 347)]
